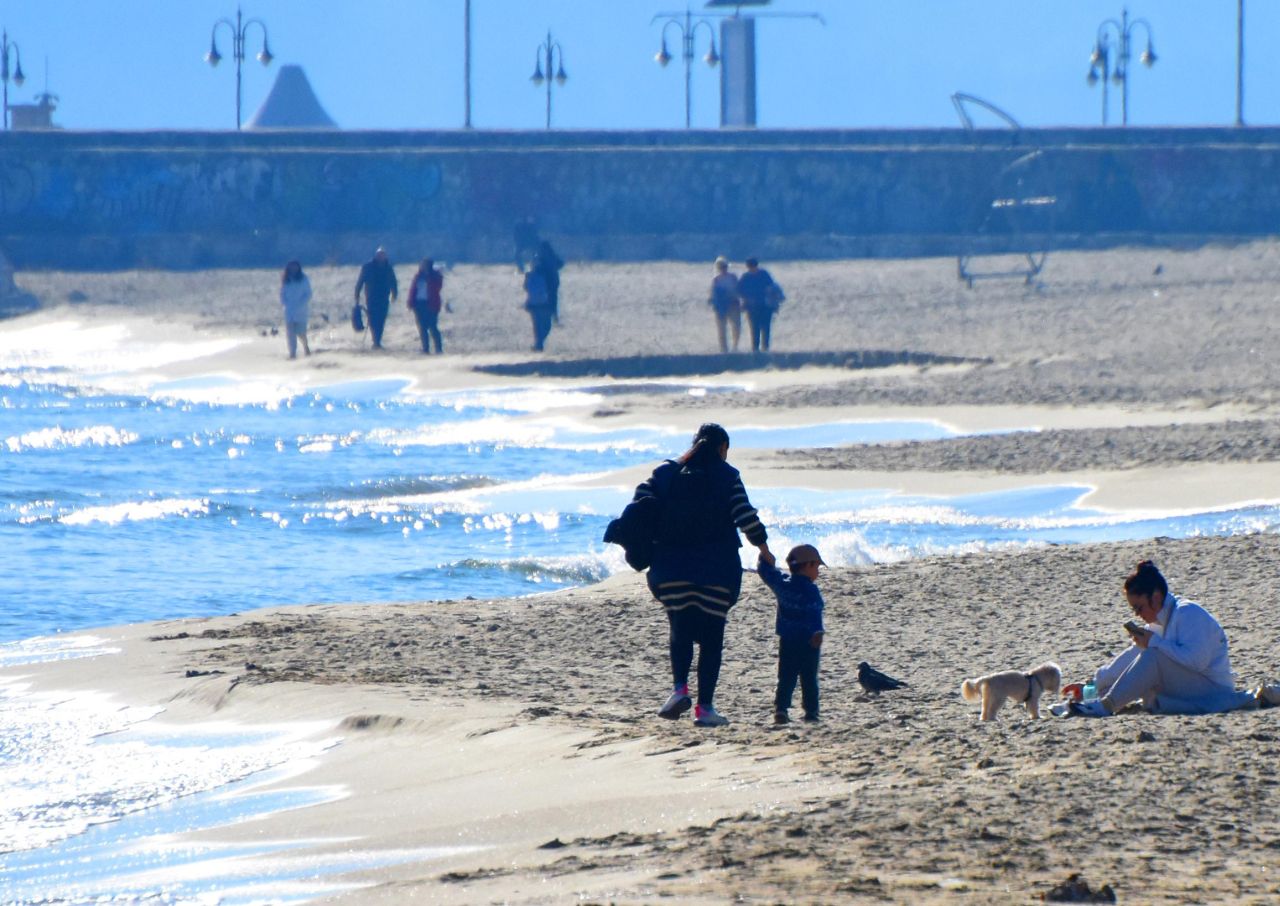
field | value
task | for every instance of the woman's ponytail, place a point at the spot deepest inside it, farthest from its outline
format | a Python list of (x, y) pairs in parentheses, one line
[(706, 446)]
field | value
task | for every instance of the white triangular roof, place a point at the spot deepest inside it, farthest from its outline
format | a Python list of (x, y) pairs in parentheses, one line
[(291, 105)]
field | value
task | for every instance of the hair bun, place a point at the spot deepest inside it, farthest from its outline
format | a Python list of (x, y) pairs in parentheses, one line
[(1146, 579)]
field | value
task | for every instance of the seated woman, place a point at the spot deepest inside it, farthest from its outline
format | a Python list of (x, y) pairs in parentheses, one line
[(1178, 664)]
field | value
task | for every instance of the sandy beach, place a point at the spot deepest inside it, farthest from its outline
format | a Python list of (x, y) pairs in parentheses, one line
[(522, 733)]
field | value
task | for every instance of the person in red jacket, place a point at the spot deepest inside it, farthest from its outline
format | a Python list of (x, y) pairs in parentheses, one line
[(425, 303)]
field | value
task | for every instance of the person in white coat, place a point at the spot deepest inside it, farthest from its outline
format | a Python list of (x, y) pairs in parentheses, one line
[(295, 297), (1179, 662)]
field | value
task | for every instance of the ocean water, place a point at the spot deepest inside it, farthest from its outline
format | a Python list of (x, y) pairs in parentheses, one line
[(213, 496), (128, 496)]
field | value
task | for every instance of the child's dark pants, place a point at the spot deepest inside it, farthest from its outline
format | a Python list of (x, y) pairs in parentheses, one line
[(797, 659)]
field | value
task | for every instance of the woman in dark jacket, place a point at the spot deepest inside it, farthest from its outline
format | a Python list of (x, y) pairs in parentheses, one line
[(549, 264), (696, 570)]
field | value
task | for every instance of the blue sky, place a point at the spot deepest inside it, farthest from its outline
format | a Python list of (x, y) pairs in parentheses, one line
[(397, 64)]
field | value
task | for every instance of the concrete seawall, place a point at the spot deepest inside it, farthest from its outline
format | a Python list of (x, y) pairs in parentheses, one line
[(188, 200)]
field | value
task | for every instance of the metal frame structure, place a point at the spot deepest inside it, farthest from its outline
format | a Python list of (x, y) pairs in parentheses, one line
[(1002, 201)]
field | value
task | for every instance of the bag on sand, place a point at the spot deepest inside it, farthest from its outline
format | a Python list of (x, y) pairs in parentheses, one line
[(357, 318)]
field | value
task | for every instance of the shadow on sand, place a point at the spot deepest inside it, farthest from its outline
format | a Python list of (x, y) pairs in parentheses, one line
[(653, 366)]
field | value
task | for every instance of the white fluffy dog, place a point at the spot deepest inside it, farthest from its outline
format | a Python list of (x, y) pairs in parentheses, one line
[(994, 688)]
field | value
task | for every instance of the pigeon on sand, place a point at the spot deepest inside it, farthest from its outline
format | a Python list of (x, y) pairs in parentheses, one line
[(875, 682)]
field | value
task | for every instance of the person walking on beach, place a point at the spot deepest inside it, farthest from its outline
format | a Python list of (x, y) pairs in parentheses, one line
[(295, 298), (799, 627), (1179, 663), (549, 264), (537, 303), (378, 280), (724, 302), (696, 570), (425, 302), (761, 297)]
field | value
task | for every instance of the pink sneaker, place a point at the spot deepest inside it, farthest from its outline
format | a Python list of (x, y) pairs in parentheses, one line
[(709, 717)]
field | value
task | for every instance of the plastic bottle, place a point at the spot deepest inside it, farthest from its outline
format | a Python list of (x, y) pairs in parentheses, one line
[(1090, 691)]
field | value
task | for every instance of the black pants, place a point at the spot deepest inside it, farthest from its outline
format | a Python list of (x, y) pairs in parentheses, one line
[(760, 320), (690, 626), (428, 327), (797, 659), (541, 317), (377, 317)]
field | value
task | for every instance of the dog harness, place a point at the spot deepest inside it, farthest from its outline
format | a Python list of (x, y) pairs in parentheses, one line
[(1031, 678)]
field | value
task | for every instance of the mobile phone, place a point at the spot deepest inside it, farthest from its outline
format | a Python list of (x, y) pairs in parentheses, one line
[(1134, 627)]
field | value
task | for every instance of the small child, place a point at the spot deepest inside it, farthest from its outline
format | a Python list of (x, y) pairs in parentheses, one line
[(799, 627)]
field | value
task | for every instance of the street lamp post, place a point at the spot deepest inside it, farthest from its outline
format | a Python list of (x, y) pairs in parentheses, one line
[(239, 30), (18, 77), (1239, 62), (1111, 56), (688, 30), (553, 52), (466, 64)]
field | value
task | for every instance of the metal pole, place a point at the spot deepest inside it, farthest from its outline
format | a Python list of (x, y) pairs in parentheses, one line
[(548, 79), (1123, 67), (466, 64), (687, 50), (1239, 62), (237, 51), (1106, 80), (5, 45)]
